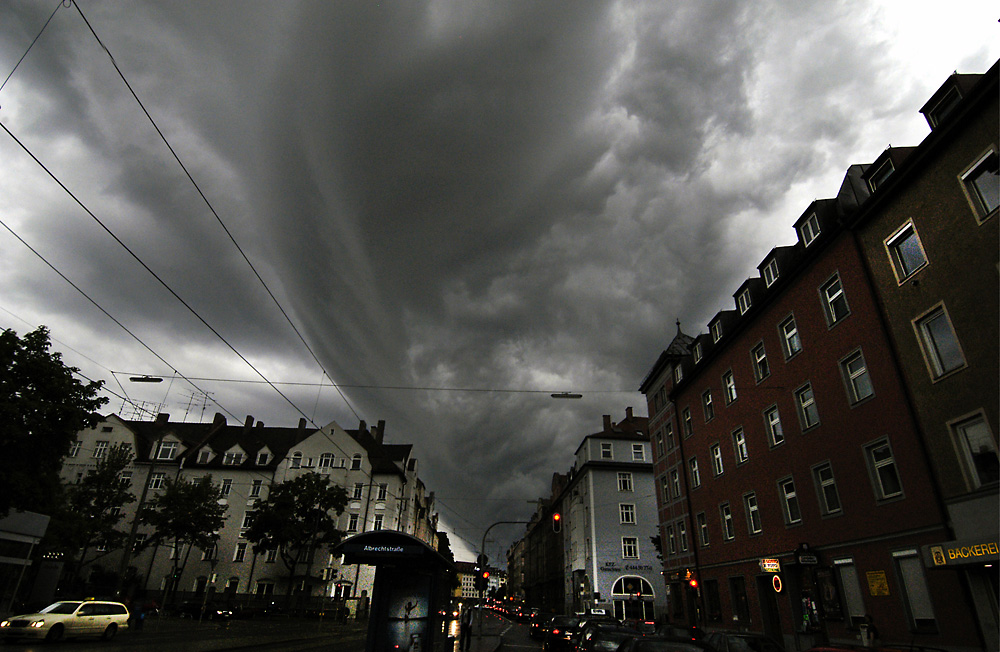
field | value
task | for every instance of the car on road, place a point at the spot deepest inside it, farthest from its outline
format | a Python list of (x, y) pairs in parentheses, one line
[(602, 637), (538, 623), (740, 642), (211, 611), (67, 619), (559, 634), (663, 644)]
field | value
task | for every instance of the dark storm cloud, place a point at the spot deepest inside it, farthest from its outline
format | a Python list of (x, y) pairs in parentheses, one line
[(444, 194)]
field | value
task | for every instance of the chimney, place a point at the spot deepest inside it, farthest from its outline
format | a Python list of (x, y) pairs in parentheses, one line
[(260, 424), (162, 418), (607, 423), (302, 423), (380, 431), (362, 426), (219, 420), (628, 413), (249, 422)]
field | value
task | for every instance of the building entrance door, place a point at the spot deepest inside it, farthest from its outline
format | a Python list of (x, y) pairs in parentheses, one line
[(769, 607)]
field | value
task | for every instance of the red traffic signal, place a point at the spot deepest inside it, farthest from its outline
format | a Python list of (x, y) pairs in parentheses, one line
[(693, 583), (556, 522)]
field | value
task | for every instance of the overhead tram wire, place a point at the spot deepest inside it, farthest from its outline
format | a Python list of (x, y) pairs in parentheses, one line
[(38, 36), (212, 208)]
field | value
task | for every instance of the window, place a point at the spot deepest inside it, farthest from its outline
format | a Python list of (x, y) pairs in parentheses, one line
[(809, 230), (638, 453), (665, 488), (157, 480), (740, 446), (730, 386), (702, 528), (682, 535), (790, 342), (359, 488), (826, 487), (716, 329), (352, 522), (745, 301), (982, 185), (753, 513), (262, 459), (383, 492), (255, 488), (678, 373), (834, 301), (669, 432), (728, 530), (695, 473), (271, 556), (906, 254), (241, 551), (771, 272), (377, 522), (204, 456), (630, 547), (855, 371), (943, 107), (232, 458), (247, 519), (772, 420), (759, 357), (882, 173), (626, 513), (660, 450), (74, 449), (296, 460), (712, 600), (356, 462), (167, 450), (100, 449), (883, 469), (607, 452), (939, 342), (808, 412), (915, 592), (706, 404), (789, 501), (675, 483), (716, 453), (227, 487), (688, 423), (671, 540), (696, 352), (847, 573), (624, 481), (125, 477), (977, 450), (326, 461)]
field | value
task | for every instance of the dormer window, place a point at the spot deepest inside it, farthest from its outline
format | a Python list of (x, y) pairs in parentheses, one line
[(696, 352), (744, 301), (167, 450), (716, 329), (262, 459), (204, 456), (809, 230), (943, 107), (882, 173), (771, 272), (232, 458)]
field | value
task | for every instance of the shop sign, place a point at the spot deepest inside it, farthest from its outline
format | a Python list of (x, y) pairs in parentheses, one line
[(610, 566), (770, 566), (953, 553), (878, 584), (776, 583)]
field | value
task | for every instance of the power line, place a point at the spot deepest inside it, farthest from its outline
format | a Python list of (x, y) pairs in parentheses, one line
[(51, 16)]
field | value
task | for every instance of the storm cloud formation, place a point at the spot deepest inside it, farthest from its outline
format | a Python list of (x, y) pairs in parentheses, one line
[(441, 194)]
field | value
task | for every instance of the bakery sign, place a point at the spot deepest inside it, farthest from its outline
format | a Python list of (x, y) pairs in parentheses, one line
[(958, 553)]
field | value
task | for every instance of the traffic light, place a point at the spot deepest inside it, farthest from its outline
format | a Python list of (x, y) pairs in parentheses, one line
[(556, 522), (482, 580)]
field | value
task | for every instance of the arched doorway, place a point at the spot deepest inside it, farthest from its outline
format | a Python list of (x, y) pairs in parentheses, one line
[(633, 598)]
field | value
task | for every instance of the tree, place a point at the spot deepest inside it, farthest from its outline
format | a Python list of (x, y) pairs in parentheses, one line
[(92, 510), (186, 514), (42, 407), (295, 520)]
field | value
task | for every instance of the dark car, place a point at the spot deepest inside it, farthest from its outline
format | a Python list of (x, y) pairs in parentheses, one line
[(559, 633), (211, 611), (680, 631), (538, 623), (663, 644), (740, 642), (602, 637)]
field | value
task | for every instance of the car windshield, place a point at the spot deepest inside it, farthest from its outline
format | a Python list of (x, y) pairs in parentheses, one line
[(60, 608), (565, 621)]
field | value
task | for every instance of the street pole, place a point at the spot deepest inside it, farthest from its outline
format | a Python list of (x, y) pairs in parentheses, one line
[(482, 551)]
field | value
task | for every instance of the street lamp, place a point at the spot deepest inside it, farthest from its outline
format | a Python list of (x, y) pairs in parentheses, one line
[(566, 395)]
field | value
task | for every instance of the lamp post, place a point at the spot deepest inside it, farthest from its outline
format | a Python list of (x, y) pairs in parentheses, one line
[(482, 553)]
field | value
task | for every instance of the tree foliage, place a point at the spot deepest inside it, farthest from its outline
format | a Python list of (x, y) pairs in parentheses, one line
[(42, 408), (298, 517), (185, 513)]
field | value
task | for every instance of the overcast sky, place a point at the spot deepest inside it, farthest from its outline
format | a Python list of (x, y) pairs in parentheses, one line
[(454, 194)]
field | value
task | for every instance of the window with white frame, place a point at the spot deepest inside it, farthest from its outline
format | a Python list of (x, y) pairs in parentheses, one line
[(771, 272), (906, 253), (740, 446), (326, 461), (834, 300), (883, 172), (638, 453), (790, 341), (296, 460), (262, 458), (729, 385), (695, 473), (624, 481), (882, 466), (356, 462), (939, 342), (809, 230), (682, 535), (630, 547), (74, 449), (981, 183), (665, 488), (100, 449), (377, 522), (789, 501), (247, 519), (359, 489), (125, 477), (826, 488), (383, 492), (227, 487), (916, 595), (688, 423), (702, 528), (753, 513), (668, 436), (716, 453), (978, 450), (696, 352), (157, 480), (204, 456), (806, 402), (240, 553), (856, 377), (745, 301), (716, 329), (626, 513), (660, 450), (671, 540), (758, 356), (233, 458), (255, 488), (678, 373), (772, 420), (167, 450), (726, 515), (352, 522), (675, 483), (607, 450), (706, 405), (271, 556)]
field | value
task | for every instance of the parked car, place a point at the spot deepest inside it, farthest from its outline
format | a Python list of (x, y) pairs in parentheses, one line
[(740, 642), (212, 611), (559, 634), (679, 631), (538, 622), (602, 637), (68, 619), (640, 643)]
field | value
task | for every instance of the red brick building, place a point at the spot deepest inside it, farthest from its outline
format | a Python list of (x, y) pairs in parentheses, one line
[(792, 451)]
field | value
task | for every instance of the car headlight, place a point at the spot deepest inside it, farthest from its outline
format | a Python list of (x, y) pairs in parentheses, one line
[(5, 623), (37, 624)]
